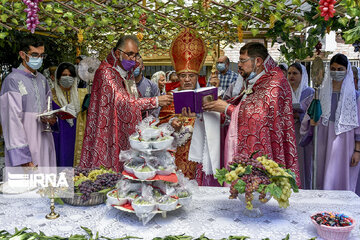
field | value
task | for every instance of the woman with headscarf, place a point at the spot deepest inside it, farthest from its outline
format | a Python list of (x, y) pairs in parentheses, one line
[(66, 93), (302, 96), (338, 142), (159, 79)]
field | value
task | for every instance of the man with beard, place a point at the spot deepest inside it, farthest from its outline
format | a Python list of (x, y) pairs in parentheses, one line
[(261, 117)]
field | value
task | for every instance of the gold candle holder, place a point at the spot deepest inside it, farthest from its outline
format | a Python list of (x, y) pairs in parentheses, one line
[(52, 215)]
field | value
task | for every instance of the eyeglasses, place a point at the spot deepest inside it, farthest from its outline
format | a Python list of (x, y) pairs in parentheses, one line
[(137, 56), (36, 55), (244, 60)]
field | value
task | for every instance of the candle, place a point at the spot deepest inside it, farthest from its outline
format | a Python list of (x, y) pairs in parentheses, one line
[(48, 105)]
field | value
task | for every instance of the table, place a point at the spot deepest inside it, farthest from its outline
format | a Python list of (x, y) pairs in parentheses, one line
[(211, 212)]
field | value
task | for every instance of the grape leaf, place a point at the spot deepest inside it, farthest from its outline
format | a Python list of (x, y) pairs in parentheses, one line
[(220, 175), (248, 169), (273, 190), (240, 186)]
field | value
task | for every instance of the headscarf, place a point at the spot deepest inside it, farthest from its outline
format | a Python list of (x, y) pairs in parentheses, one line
[(155, 78), (346, 116), (303, 85), (284, 65), (168, 75), (73, 96)]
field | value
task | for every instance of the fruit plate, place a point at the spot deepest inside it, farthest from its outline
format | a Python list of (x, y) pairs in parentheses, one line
[(128, 208), (167, 178)]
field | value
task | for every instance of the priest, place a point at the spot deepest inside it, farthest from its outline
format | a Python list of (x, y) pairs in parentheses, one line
[(261, 117), (187, 53), (115, 108)]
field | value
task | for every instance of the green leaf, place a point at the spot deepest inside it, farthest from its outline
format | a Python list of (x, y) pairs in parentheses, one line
[(254, 31), (61, 29), (68, 15), (288, 23), (4, 17), (3, 35), (248, 169), (273, 190), (90, 21), (17, 5), (240, 186), (296, 2), (110, 38), (15, 21), (48, 8), (220, 175), (235, 20), (280, 6), (256, 8), (59, 201), (261, 188), (287, 237), (106, 190), (352, 35), (343, 21), (299, 27), (58, 10), (48, 21), (88, 231)]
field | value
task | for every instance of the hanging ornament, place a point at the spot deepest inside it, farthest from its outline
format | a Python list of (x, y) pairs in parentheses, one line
[(272, 21), (140, 36), (32, 17), (80, 36), (142, 21), (327, 8), (240, 32), (206, 4), (318, 48)]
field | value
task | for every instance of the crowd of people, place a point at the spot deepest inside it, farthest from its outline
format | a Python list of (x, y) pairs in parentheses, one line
[(261, 108)]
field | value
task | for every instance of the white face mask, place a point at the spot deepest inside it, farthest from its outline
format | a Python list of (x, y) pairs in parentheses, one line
[(338, 76), (66, 81)]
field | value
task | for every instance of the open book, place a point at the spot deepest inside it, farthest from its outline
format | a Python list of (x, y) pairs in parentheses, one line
[(66, 112), (194, 99)]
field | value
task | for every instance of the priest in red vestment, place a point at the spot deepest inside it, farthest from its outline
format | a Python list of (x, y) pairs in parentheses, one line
[(261, 117), (115, 108), (187, 53)]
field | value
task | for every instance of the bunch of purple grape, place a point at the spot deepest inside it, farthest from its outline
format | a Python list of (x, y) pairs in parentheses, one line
[(32, 16), (103, 181), (84, 171), (106, 180)]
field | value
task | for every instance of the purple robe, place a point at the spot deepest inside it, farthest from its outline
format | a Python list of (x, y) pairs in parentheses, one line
[(304, 152), (64, 141), (334, 151), (147, 89), (23, 96)]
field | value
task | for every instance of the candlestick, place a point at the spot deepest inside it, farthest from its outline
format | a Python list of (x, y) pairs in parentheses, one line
[(48, 105)]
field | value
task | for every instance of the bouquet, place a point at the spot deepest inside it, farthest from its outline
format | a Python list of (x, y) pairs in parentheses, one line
[(262, 175)]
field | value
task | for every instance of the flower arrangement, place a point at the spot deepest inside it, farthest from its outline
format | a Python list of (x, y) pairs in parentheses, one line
[(262, 175)]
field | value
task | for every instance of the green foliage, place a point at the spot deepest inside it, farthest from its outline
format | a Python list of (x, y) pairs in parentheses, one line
[(220, 175)]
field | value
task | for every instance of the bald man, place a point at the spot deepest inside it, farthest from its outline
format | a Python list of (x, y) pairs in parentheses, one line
[(224, 77)]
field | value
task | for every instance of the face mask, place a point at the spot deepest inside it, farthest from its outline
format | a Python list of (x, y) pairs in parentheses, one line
[(338, 76), (252, 74), (66, 81), (128, 64), (220, 67), (35, 63), (137, 72)]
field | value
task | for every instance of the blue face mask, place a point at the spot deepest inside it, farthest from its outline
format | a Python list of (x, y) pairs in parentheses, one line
[(252, 74), (137, 72), (35, 63), (220, 67)]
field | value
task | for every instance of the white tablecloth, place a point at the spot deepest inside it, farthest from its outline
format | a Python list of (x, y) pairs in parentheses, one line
[(211, 212)]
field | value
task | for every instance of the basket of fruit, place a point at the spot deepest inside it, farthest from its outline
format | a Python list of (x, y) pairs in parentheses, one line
[(91, 186), (255, 181), (333, 226)]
